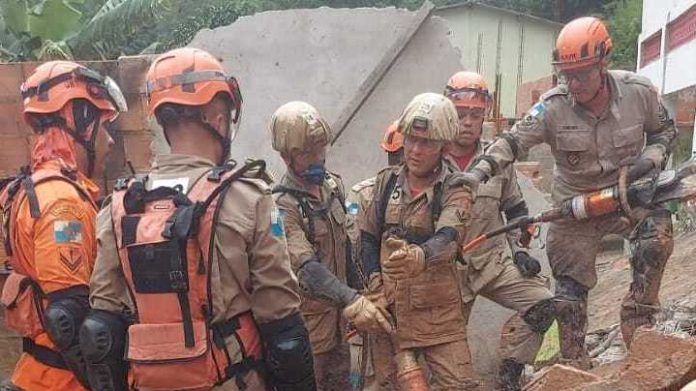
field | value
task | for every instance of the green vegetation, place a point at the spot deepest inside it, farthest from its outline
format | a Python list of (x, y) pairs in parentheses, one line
[(107, 29)]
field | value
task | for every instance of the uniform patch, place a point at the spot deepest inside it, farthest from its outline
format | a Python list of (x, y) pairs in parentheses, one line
[(66, 231), (352, 208), (277, 228), (537, 109), (396, 193), (71, 258), (573, 158)]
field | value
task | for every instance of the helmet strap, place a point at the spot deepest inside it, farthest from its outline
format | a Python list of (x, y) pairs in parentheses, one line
[(224, 141)]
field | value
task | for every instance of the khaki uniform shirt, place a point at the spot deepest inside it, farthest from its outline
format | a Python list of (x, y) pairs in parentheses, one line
[(427, 307), (589, 149), (493, 198), (251, 270), (317, 233)]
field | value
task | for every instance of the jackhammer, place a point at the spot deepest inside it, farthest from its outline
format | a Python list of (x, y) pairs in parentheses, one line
[(668, 185)]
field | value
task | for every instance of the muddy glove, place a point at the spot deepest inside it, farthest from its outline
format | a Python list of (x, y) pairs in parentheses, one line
[(405, 262), (640, 168), (469, 180), (367, 316), (528, 265)]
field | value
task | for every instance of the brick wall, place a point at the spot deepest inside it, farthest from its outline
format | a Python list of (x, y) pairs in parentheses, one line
[(529, 93)]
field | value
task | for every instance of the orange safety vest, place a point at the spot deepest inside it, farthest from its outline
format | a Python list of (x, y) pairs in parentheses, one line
[(165, 240), (22, 297)]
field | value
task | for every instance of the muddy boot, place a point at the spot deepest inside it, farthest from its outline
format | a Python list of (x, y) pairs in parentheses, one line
[(509, 375)]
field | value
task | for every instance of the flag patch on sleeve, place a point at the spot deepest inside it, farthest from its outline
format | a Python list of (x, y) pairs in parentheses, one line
[(67, 231)]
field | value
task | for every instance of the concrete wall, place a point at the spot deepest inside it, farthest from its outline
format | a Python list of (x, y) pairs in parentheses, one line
[(322, 56), (494, 41)]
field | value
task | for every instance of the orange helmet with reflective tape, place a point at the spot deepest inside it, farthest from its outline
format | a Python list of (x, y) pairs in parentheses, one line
[(189, 77), (581, 42), (393, 140), (468, 89), (55, 83), (73, 98)]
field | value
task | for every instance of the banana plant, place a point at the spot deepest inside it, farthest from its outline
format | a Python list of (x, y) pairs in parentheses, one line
[(55, 29)]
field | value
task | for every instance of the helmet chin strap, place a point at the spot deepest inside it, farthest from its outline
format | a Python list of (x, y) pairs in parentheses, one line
[(225, 141)]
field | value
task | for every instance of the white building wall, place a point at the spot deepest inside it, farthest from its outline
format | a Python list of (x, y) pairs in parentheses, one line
[(673, 70)]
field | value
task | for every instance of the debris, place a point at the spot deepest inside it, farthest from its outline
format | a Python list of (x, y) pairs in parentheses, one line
[(559, 378)]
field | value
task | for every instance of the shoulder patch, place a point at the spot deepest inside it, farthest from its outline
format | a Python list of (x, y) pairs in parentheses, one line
[(67, 231), (537, 109), (277, 228)]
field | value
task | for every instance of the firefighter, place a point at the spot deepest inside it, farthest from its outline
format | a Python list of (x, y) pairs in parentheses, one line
[(192, 278), (48, 215), (602, 125), (502, 270), (372, 354), (410, 233), (312, 201)]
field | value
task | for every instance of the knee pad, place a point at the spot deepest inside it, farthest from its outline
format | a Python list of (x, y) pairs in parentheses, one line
[(570, 296), (540, 316), (62, 319), (289, 359), (103, 342)]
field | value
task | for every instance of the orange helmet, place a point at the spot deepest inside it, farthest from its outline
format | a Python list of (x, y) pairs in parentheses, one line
[(581, 42), (393, 139), (53, 84), (189, 77), (468, 89), (76, 99)]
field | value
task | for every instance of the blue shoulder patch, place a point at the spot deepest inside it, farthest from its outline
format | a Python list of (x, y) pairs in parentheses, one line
[(537, 109), (65, 231), (277, 228), (352, 208)]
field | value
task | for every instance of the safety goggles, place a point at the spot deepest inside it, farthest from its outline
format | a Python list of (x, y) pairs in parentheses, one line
[(97, 85), (468, 94), (579, 75), (188, 81), (411, 141)]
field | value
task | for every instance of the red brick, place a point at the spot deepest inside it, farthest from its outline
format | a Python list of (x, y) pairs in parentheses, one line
[(11, 78), (15, 153), (559, 378)]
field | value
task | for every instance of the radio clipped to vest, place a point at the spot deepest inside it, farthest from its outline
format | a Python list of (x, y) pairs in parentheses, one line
[(166, 240)]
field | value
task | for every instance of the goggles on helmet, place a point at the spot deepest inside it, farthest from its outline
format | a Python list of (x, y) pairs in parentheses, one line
[(187, 82), (467, 93), (98, 87)]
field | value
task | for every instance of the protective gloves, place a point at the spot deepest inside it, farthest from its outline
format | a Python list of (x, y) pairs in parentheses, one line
[(469, 180), (367, 316), (527, 265), (406, 261), (640, 168)]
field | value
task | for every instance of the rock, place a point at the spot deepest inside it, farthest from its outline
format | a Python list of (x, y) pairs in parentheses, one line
[(658, 362), (560, 378)]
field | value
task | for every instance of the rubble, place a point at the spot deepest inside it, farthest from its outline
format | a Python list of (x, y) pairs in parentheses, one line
[(560, 377), (656, 361)]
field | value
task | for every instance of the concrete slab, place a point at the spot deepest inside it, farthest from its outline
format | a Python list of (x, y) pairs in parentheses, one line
[(322, 56)]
